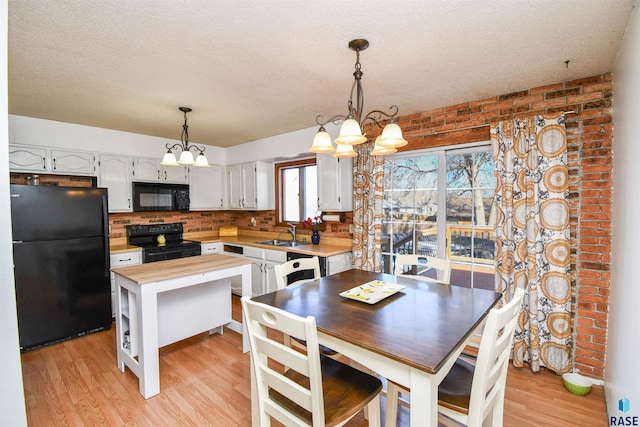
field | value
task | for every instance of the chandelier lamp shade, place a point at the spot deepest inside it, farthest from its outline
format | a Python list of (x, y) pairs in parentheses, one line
[(352, 128), (186, 157)]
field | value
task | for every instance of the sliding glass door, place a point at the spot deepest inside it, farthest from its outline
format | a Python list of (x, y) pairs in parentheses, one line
[(439, 204)]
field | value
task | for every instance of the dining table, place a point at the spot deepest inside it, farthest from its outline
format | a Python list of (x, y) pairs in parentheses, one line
[(413, 336)]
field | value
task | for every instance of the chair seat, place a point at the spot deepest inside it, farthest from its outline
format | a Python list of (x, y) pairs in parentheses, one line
[(454, 391), (346, 391)]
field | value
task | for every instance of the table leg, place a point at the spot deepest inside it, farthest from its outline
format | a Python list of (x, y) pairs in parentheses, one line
[(424, 400), (246, 290), (148, 358)]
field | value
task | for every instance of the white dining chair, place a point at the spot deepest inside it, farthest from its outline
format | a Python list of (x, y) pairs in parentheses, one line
[(313, 390), (299, 265), (441, 266), (474, 394)]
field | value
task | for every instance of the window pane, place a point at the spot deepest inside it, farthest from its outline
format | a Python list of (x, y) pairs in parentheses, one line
[(310, 207), (462, 232), (291, 194)]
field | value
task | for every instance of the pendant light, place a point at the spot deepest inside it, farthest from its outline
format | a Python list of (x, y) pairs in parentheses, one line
[(186, 157), (351, 130)]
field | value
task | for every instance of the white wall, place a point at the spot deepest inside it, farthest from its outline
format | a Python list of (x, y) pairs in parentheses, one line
[(12, 408), (622, 370)]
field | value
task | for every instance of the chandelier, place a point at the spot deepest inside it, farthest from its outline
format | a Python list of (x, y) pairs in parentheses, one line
[(352, 129), (186, 157)]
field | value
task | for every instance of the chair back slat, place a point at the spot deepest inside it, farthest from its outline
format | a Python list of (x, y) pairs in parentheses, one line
[(283, 271), (442, 266)]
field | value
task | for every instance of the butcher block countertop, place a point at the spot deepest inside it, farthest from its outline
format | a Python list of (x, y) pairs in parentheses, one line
[(171, 269), (119, 248)]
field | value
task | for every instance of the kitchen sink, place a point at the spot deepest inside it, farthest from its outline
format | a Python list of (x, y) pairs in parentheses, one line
[(276, 242)]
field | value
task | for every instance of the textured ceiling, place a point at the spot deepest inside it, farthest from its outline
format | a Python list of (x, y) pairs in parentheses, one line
[(252, 69)]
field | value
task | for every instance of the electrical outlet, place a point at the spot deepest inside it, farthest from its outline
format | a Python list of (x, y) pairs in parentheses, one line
[(253, 221), (350, 228)]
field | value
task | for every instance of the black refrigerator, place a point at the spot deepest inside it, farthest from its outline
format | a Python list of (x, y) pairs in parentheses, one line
[(61, 262)]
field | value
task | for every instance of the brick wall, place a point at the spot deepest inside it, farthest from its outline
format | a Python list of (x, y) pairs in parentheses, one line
[(589, 134), (212, 220)]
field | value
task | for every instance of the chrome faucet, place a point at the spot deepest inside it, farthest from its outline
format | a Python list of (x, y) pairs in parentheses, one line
[(292, 231)]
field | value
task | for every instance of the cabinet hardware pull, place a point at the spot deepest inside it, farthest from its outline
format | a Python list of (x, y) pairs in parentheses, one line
[(54, 163), (44, 163)]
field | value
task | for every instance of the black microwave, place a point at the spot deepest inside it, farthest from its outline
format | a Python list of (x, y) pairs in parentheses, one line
[(160, 197)]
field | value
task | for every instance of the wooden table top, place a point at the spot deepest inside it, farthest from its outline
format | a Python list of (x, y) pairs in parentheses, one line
[(181, 267), (420, 326)]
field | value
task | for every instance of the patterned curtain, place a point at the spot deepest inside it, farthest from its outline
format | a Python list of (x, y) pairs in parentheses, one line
[(368, 195), (532, 236)]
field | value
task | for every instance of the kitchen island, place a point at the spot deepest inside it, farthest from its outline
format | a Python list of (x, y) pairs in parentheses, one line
[(163, 302)]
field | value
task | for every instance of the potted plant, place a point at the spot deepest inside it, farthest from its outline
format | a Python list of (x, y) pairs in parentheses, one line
[(314, 225)]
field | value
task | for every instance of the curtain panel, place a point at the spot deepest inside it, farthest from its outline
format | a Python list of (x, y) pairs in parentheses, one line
[(368, 196), (532, 236)]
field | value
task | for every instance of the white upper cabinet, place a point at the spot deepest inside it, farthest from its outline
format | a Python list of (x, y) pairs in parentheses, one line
[(250, 186), (149, 169), (115, 175), (335, 183), (174, 174), (234, 185), (23, 158), (27, 159), (73, 162), (146, 169), (206, 188)]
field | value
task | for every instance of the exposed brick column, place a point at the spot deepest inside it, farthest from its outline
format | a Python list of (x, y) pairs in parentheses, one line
[(589, 137)]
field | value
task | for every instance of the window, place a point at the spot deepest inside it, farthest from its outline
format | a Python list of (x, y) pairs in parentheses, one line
[(296, 190), (440, 204)]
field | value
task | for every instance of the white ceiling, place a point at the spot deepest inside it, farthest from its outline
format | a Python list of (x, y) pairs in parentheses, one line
[(252, 69)]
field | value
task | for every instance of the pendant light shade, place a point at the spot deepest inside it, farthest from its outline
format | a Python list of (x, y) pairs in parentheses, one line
[(201, 161), (344, 151), (351, 129), (392, 136), (322, 142), (381, 151), (350, 133), (186, 158), (169, 159)]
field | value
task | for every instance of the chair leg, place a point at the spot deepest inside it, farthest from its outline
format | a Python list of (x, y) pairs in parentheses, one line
[(373, 412), (391, 415)]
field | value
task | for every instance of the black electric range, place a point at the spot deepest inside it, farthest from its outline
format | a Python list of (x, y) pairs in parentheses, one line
[(161, 242)]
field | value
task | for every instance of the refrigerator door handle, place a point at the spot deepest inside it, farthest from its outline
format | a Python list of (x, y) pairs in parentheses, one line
[(105, 231)]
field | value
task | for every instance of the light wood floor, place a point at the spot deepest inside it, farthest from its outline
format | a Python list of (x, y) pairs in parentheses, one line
[(205, 382)]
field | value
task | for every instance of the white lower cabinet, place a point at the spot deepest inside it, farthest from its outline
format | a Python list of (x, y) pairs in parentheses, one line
[(121, 260), (339, 263), (272, 258)]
